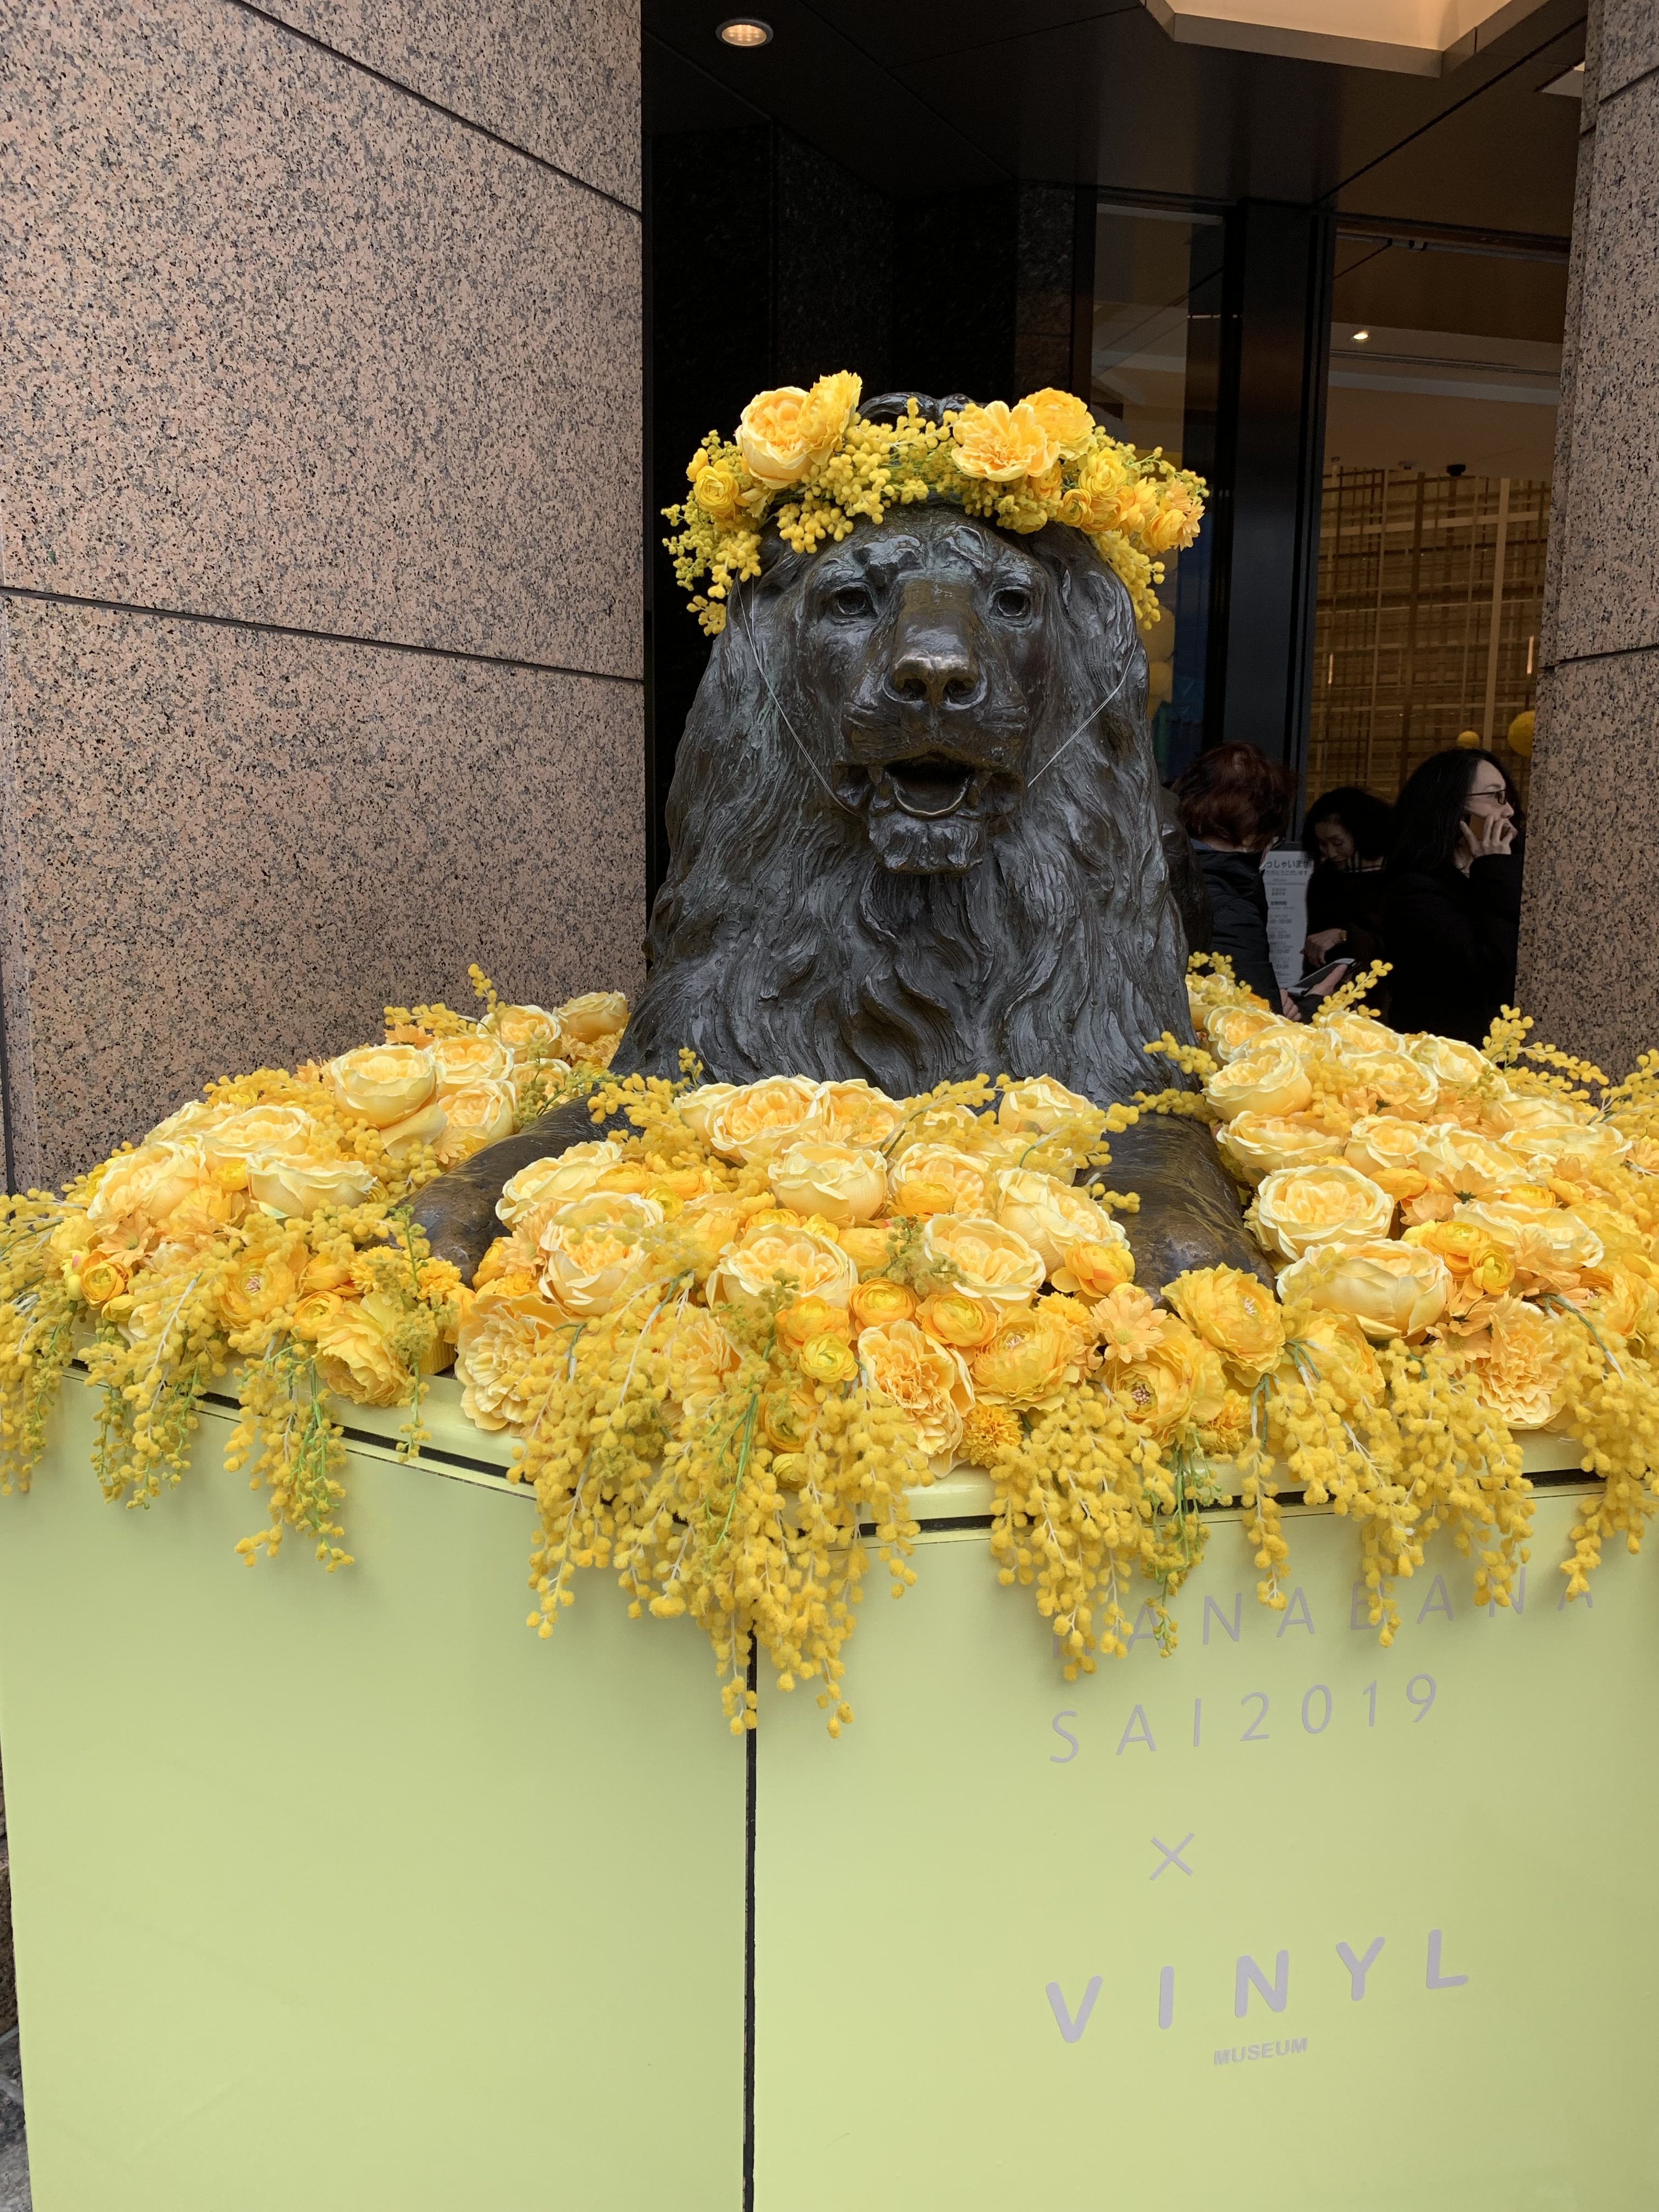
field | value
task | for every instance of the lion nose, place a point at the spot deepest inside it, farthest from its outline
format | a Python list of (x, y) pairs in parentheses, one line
[(933, 659)]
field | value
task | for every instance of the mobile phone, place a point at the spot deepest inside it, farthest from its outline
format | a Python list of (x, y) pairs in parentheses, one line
[(1323, 980)]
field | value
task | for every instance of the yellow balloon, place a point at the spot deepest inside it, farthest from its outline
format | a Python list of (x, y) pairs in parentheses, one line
[(1520, 734), (1469, 739)]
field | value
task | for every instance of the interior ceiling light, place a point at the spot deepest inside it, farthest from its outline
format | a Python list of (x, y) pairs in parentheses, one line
[(744, 31), (1360, 336)]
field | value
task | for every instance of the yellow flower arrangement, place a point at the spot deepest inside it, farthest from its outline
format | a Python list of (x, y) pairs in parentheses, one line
[(805, 460)]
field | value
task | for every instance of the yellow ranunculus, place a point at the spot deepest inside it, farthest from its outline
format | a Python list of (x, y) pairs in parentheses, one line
[(701, 1360), (827, 1359), (556, 1179), (1255, 1145), (102, 1280), (497, 1340), (1298, 1208), (1230, 1030), (754, 1121), (261, 1281), (1266, 1078), (787, 1418), (811, 1264), (925, 1379), (1519, 1368), (959, 1320), (1389, 1288), (998, 444), (1050, 1215), (590, 1019), (1232, 1311), (297, 1187), (591, 1249), (814, 1174), (1388, 1082), (783, 435), (384, 1084), (1040, 1104), (1177, 1379), (878, 1302), (852, 1113), (1094, 1265), (695, 1106), (473, 1117), (991, 1262), (354, 1359), (528, 1032), (1027, 1360), (1066, 422), (473, 1057), (716, 492), (927, 1179), (268, 1129)]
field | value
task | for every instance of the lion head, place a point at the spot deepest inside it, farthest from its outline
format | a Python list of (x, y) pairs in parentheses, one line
[(916, 823)]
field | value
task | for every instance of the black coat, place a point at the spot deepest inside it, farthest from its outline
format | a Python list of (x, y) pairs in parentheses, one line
[(1238, 911), (1453, 940), (1351, 900)]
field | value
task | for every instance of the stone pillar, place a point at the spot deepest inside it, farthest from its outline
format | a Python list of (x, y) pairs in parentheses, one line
[(1590, 949), (321, 533)]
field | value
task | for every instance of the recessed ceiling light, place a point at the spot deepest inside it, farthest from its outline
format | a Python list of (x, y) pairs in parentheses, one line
[(1360, 336), (744, 31)]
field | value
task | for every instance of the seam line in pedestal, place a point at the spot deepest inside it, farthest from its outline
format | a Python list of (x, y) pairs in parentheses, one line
[(322, 636), (1606, 653), (750, 1793), (449, 114)]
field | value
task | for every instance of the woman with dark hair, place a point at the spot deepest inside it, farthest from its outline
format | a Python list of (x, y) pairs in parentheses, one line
[(1451, 913), (1346, 835), (1235, 803)]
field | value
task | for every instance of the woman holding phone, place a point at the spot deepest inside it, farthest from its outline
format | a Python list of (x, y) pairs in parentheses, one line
[(1451, 913)]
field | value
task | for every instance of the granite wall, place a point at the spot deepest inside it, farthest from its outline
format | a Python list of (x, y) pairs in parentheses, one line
[(320, 673), (1589, 951)]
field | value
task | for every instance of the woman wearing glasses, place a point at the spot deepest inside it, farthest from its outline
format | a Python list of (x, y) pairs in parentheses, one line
[(1451, 914)]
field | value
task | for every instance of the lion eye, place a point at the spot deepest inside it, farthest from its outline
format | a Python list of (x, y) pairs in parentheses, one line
[(1012, 604), (851, 599)]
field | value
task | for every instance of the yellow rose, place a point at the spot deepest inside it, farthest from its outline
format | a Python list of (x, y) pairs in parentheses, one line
[(260, 1282), (991, 1262), (925, 1379), (1548, 1111), (1027, 1360), (425, 1125), (868, 1249), (1298, 1208), (784, 435), (556, 1180), (956, 1319), (528, 1032), (998, 444), (811, 1264), (927, 1179), (1337, 1347), (1548, 1249), (1065, 422), (1467, 1164), (591, 1247), (1389, 1288), (695, 1106), (1455, 1066), (1360, 1033), (1231, 1029), (1094, 1265), (817, 1176), (754, 1121), (1519, 1369), (474, 1057), (1050, 1215), (268, 1129), (716, 492), (148, 1183), (1039, 1106), (1389, 1081), (702, 1361), (194, 1118), (355, 1360), (497, 1340), (957, 1130), (1383, 1144), (1266, 1078), (384, 1084), (474, 1117), (852, 1113), (1232, 1311), (590, 1019), (1563, 1148), (297, 1188), (1255, 1145)]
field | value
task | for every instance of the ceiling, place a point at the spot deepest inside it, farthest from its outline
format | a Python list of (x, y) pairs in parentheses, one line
[(918, 99)]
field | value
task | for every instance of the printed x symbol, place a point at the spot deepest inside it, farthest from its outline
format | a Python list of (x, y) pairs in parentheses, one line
[(1171, 1857)]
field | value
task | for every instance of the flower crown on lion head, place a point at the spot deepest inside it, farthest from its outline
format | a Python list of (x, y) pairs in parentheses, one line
[(812, 464)]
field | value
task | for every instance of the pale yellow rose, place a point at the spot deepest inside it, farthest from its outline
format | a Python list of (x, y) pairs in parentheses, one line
[(783, 435), (991, 1262), (1389, 1288), (1232, 1029), (291, 1185), (590, 1019), (1027, 1359), (1050, 1215), (473, 1057), (1360, 1033), (267, 1129), (842, 1182), (925, 1379), (695, 1106), (592, 1250), (497, 1340), (998, 444), (1455, 1066), (474, 1117), (1467, 1164), (1548, 1249), (1255, 1145), (1233, 1312), (1065, 419), (701, 1360), (1266, 1078), (355, 1360), (1384, 1144), (1040, 1105), (1298, 1208), (1397, 1084), (149, 1183), (754, 1121), (556, 1180), (853, 1112), (425, 1125), (528, 1032), (810, 1264), (384, 1084), (928, 1179), (1519, 1368), (867, 1247), (1548, 1148), (193, 1119), (957, 1130), (1094, 1266), (1549, 1111)]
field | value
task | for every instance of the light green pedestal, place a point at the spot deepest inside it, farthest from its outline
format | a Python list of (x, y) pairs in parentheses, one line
[(349, 1893)]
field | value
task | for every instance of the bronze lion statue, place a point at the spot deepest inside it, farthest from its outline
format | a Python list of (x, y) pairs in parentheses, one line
[(917, 832)]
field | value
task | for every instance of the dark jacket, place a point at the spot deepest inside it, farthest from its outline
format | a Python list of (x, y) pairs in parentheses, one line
[(1453, 940), (1238, 912), (1351, 900)]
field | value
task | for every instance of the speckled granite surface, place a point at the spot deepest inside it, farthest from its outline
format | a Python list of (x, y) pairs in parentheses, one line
[(561, 78), (229, 848), (279, 342)]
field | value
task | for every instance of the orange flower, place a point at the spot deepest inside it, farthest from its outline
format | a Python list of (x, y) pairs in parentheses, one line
[(878, 1303)]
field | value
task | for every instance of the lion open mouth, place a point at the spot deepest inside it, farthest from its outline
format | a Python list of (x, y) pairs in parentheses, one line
[(927, 787)]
